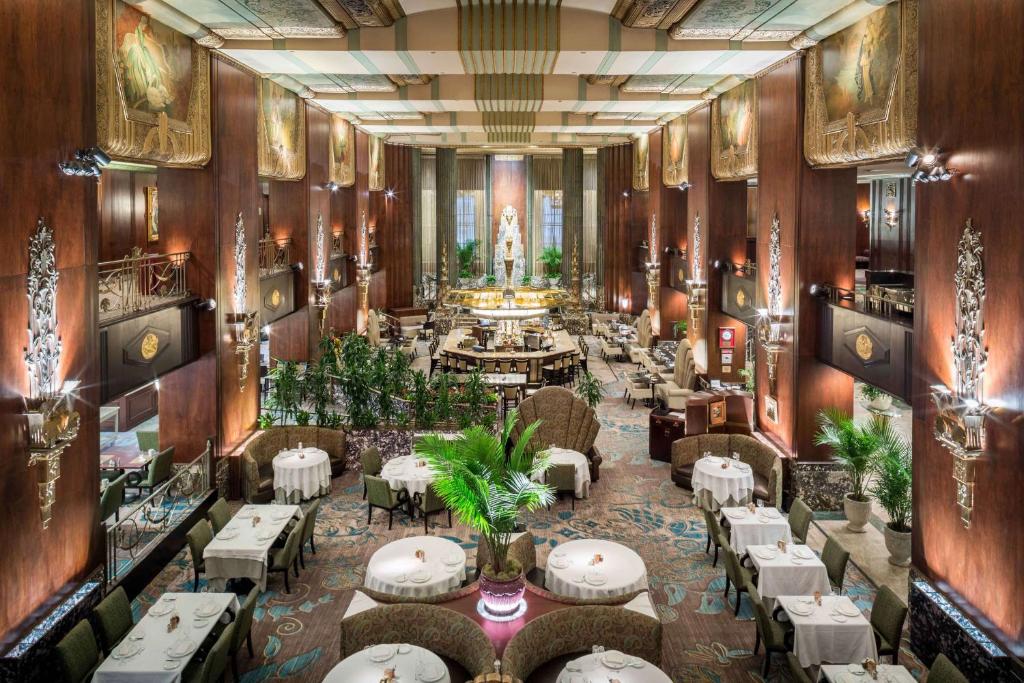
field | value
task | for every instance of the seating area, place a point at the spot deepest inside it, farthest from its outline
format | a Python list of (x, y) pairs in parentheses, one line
[(259, 453)]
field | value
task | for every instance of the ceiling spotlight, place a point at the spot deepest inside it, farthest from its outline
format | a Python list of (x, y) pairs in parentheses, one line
[(919, 175), (913, 156), (816, 289), (332, 186), (97, 155), (297, 267), (946, 173), (684, 186), (625, 193)]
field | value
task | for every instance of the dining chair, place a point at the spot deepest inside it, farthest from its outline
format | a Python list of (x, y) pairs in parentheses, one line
[(78, 653), (887, 617), (505, 366), (735, 573), (157, 472), (243, 629), (219, 515), (800, 517), (562, 478), (308, 529), (777, 636), (112, 498), (113, 616), (944, 671), (287, 557), (148, 441), (509, 398), (430, 503), (490, 366), (215, 665), (795, 670), (379, 494), (370, 459), (199, 536), (714, 534), (834, 556)]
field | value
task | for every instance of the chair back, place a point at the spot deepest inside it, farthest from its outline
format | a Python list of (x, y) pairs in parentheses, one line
[(148, 441), (114, 618), (309, 521), (761, 617), (216, 662), (887, 615), (944, 671), (219, 515), (732, 565), (800, 517), (797, 671), (505, 365), (291, 545), (243, 622), (78, 653), (112, 497), (714, 528), (378, 492), (834, 556), (160, 467), (566, 420), (370, 459), (562, 477), (432, 502), (510, 393), (199, 536), (490, 365)]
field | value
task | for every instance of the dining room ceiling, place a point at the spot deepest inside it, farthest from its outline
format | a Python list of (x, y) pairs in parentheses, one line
[(529, 72)]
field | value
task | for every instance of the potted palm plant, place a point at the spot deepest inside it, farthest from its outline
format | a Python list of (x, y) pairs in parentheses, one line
[(590, 389), (876, 398), (487, 489), (892, 488), (855, 447), (551, 257)]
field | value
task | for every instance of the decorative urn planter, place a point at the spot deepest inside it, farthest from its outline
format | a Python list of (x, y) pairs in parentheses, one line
[(857, 513), (898, 545), (882, 403), (501, 597)]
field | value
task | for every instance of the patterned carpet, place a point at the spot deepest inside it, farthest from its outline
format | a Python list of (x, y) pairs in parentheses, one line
[(297, 636)]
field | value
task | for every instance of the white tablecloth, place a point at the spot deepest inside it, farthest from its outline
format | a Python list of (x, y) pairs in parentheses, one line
[(151, 631), (393, 568), (787, 573), (621, 569), (402, 473), (887, 673), (245, 555), (732, 485), (301, 475), (820, 638), (765, 527), (564, 456), (591, 668), (643, 604), (408, 665)]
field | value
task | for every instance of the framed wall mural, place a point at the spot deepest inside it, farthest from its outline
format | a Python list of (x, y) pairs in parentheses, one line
[(734, 133), (152, 89), (342, 168), (152, 215), (376, 163), (641, 159), (861, 90), (674, 152), (281, 132)]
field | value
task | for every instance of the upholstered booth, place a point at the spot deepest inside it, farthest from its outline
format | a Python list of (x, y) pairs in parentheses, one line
[(545, 644), (644, 337), (764, 461), (566, 422), (674, 392), (457, 639), (599, 322), (258, 456)]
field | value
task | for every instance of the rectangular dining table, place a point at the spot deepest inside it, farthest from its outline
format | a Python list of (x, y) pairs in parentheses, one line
[(152, 664), (230, 556), (765, 526), (819, 637), (887, 673), (786, 573)]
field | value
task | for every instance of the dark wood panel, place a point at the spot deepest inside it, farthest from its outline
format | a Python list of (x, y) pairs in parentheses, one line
[(738, 298), (875, 350), (123, 213), (980, 566), (393, 220), (277, 296), (185, 399), (892, 235), (288, 337), (619, 242), (508, 188)]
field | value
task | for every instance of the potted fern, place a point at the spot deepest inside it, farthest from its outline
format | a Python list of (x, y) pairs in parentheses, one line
[(590, 389), (876, 398), (487, 489), (892, 487), (855, 447), (465, 253), (551, 258)]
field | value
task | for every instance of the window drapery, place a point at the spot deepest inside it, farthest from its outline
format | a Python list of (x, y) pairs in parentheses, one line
[(547, 207)]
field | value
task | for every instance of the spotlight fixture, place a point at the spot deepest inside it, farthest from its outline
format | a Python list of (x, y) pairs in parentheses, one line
[(297, 267), (87, 163), (817, 290), (684, 186), (206, 304), (389, 193), (332, 186), (722, 265), (928, 166), (625, 193)]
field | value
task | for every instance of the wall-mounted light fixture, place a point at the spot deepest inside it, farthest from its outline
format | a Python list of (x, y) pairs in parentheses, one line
[(769, 320), (52, 421), (960, 421), (364, 267), (684, 186), (389, 193), (890, 210), (87, 163), (244, 323), (321, 285), (653, 267), (332, 186), (696, 287), (927, 166)]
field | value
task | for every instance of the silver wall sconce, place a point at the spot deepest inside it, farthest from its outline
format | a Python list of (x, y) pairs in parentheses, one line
[(696, 286), (244, 323), (928, 166), (52, 421), (770, 320), (960, 421), (652, 268), (364, 267), (321, 285)]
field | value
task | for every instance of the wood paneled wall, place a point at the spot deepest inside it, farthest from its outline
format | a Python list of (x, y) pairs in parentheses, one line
[(981, 566), (123, 214), (508, 188), (670, 207), (37, 132), (393, 217), (617, 231)]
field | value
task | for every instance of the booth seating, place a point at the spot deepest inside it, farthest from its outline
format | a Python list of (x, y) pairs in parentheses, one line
[(599, 322), (644, 338), (565, 421), (258, 455), (764, 461), (676, 390)]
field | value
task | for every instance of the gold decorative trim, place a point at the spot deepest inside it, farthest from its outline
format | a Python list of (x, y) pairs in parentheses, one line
[(343, 143), (734, 162), (273, 163), (882, 133), (376, 154), (132, 135), (641, 162), (675, 152)]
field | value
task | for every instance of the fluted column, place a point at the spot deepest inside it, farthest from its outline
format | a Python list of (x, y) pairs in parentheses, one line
[(572, 215), (416, 187), (447, 192)]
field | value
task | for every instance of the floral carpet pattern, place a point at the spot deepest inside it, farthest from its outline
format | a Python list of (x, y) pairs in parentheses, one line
[(296, 636)]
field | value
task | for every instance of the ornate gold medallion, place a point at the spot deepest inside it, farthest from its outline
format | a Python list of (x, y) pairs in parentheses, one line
[(864, 346), (149, 346), (275, 298), (741, 298)]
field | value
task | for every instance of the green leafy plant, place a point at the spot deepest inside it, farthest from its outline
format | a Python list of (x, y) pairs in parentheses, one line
[(302, 418), (551, 257), (422, 401), (266, 420), (491, 280), (892, 485), (590, 389), (679, 329), (355, 381), (332, 421), (748, 376), (477, 406), (465, 253), (853, 446), (870, 393), (525, 282), (316, 388), (486, 488), (442, 386), (285, 394)]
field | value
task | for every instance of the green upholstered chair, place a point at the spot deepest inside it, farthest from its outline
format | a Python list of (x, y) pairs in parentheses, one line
[(944, 671), (372, 465), (114, 618), (213, 668), (887, 617), (795, 670), (243, 629), (112, 498), (800, 517), (735, 573), (834, 556), (157, 472), (219, 515), (562, 479), (379, 494), (308, 529), (148, 441), (776, 636), (429, 504), (287, 557), (199, 536), (78, 654), (715, 534)]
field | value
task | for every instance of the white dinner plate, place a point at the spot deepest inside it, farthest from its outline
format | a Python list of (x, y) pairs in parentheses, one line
[(838, 618), (226, 535), (280, 516), (770, 512), (181, 648), (713, 460), (420, 576), (559, 562), (452, 559), (404, 648), (171, 664), (127, 650), (161, 609), (801, 609), (803, 552), (742, 466), (735, 514), (265, 536), (848, 609), (766, 553), (595, 578), (381, 653), (208, 610), (614, 660)]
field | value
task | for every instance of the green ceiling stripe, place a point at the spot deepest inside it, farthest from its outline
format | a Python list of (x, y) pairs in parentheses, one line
[(435, 89), (581, 94), (614, 45), (402, 45), (660, 50), (353, 48)]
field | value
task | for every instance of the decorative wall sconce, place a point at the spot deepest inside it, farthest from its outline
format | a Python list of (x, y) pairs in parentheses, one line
[(321, 285), (696, 287), (244, 323), (87, 163), (891, 212), (364, 267), (52, 422), (653, 268), (928, 166), (960, 422), (769, 320)]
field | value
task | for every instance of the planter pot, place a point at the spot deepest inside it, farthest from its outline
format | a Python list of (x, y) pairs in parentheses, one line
[(554, 282), (501, 597), (883, 402), (857, 514), (898, 545)]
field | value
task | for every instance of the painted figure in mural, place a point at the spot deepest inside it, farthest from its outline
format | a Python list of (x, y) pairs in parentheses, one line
[(145, 69), (859, 64), (154, 63), (508, 229)]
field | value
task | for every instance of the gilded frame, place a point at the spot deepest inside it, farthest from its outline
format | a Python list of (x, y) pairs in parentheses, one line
[(342, 171), (377, 170), (270, 165), (674, 161), (133, 135), (727, 162), (152, 214), (879, 134), (641, 162)]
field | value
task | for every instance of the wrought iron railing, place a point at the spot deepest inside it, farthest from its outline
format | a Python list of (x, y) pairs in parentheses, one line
[(746, 269), (880, 305), (140, 282), (131, 538), (275, 256)]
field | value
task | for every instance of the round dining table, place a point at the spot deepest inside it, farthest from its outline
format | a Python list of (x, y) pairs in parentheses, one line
[(408, 662), (715, 486), (301, 474), (395, 568), (594, 568), (612, 665), (404, 472)]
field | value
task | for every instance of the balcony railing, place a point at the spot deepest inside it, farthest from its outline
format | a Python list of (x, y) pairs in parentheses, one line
[(883, 305), (140, 282), (275, 256)]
